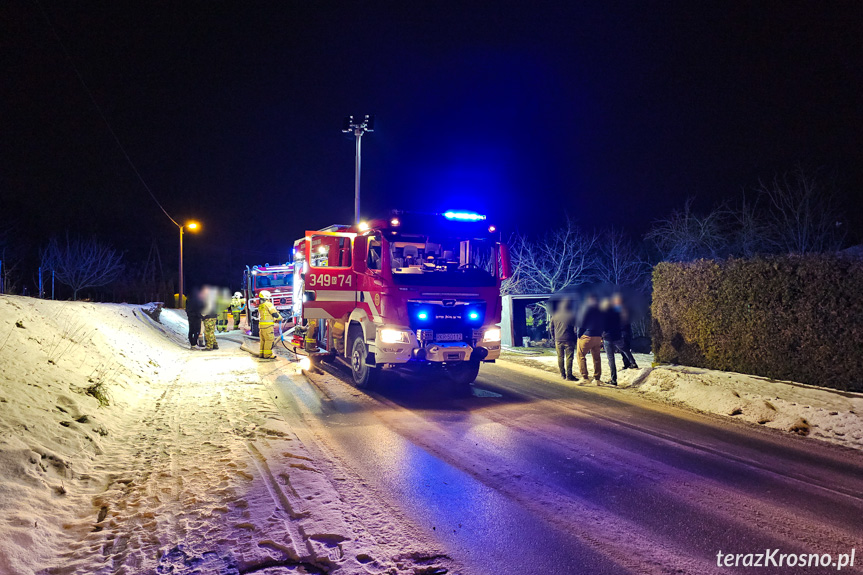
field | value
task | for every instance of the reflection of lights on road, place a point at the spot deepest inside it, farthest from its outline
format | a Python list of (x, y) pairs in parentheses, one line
[(305, 363)]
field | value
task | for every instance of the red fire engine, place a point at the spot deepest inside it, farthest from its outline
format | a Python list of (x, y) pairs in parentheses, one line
[(412, 290), (278, 280)]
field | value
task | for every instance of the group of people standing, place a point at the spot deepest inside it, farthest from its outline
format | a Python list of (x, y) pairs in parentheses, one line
[(598, 325), (204, 309)]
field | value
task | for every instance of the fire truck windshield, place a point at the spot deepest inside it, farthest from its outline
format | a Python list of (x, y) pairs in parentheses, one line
[(443, 261), (273, 280)]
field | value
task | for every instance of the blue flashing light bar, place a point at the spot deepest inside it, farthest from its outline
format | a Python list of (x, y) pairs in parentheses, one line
[(423, 315), (464, 216), (473, 315)]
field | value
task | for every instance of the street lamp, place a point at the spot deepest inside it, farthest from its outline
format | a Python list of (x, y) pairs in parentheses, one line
[(193, 227), (358, 127)]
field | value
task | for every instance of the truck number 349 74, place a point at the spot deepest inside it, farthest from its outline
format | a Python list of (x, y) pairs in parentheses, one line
[(330, 280)]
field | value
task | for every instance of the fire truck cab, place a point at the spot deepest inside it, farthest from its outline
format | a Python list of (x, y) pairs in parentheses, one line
[(278, 280), (417, 291)]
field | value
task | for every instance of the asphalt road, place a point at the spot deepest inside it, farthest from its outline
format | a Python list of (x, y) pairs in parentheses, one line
[(535, 475)]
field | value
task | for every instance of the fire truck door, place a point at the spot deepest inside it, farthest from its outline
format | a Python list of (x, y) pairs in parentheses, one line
[(330, 286)]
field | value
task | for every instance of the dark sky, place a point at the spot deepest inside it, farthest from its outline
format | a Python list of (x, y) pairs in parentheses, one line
[(613, 112)]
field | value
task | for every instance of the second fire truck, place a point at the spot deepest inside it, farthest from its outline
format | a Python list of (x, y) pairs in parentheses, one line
[(278, 280)]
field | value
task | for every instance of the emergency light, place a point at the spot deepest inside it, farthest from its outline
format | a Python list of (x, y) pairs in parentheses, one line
[(464, 216)]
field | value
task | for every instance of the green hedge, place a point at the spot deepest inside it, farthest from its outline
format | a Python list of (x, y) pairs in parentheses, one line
[(794, 318)]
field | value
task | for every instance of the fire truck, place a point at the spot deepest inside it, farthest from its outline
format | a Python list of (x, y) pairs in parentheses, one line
[(411, 291), (278, 279)]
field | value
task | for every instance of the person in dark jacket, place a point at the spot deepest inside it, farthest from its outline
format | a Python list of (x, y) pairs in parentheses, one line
[(611, 336), (625, 333), (193, 314), (562, 327), (590, 330)]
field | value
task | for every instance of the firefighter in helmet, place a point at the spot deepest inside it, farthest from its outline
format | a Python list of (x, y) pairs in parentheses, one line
[(237, 307), (267, 316)]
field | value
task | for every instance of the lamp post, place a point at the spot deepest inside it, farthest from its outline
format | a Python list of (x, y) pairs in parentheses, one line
[(192, 226), (358, 127)]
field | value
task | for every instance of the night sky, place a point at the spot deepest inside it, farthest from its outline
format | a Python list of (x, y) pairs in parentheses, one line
[(612, 112)]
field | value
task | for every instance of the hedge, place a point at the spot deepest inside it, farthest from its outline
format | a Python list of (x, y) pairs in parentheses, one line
[(796, 318)]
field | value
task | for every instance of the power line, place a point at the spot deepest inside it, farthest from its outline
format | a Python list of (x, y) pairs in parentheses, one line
[(99, 110)]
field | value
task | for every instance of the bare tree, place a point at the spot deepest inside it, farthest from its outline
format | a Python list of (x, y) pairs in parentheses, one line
[(685, 236), (82, 264), (618, 263), (803, 213), (10, 256), (561, 258), (750, 233)]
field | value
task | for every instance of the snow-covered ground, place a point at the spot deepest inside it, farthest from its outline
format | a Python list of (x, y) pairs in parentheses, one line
[(821, 413), (122, 451)]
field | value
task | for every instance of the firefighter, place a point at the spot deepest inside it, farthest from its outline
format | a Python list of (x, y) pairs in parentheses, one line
[(237, 308), (267, 316), (222, 321)]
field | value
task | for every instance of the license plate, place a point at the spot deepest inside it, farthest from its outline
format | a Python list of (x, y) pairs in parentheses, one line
[(448, 337)]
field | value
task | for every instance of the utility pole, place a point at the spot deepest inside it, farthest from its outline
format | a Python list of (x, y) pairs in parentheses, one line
[(193, 226), (358, 127)]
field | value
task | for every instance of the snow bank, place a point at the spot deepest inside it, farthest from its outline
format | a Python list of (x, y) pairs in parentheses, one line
[(822, 413), (817, 412), (122, 451), (69, 371)]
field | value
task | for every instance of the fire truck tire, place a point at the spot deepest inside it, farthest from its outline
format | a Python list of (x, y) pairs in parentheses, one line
[(364, 375), (463, 375)]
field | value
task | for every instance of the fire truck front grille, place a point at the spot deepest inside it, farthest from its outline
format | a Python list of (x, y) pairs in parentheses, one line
[(457, 318)]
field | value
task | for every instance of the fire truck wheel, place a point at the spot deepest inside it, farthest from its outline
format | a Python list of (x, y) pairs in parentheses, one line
[(364, 375), (463, 375)]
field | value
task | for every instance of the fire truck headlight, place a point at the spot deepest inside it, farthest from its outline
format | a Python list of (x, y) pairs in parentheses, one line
[(492, 334), (394, 336)]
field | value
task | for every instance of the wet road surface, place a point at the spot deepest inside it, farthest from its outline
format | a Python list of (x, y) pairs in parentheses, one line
[(535, 475)]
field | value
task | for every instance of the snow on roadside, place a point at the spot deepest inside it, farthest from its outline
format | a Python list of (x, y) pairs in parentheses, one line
[(821, 413), (68, 373), (121, 451)]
